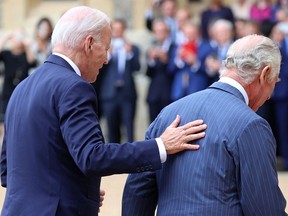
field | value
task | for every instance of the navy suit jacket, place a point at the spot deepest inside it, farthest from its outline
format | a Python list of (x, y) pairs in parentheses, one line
[(53, 153), (210, 15), (281, 88), (108, 90), (160, 80), (233, 172), (198, 79)]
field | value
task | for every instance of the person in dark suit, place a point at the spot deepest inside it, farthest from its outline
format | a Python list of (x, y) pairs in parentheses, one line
[(186, 66), (216, 10), (158, 57), (118, 95), (279, 98), (53, 153), (221, 37), (17, 58), (234, 172), (166, 10)]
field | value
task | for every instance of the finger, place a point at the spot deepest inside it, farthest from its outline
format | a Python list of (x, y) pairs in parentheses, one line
[(195, 129), (184, 147), (102, 192), (192, 124), (100, 205), (195, 136), (190, 147), (176, 122)]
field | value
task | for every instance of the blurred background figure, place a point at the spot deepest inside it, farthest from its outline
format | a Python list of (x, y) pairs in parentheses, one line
[(216, 10), (17, 58), (183, 15), (279, 98), (244, 27), (239, 27), (118, 101), (241, 9), (158, 56), (279, 10), (261, 10), (281, 15), (186, 67), (166, 10), (41, 46), (251, 27), (221, 37), (152, 12)]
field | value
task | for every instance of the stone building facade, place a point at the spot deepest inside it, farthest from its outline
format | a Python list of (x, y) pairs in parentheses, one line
[(25, 13)]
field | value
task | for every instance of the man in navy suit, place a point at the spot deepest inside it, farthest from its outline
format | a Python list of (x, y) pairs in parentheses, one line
[(158, 56), (53, 153), (234, 172), (280, 94), (118, 95)]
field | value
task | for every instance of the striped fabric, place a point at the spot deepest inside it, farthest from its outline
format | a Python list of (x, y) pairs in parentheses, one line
[(233, 173)]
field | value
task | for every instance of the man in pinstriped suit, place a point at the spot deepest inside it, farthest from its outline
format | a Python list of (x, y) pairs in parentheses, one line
[(234, 172)]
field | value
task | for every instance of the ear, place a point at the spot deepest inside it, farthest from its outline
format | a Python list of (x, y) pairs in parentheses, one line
[(264, 75), (89, 42)]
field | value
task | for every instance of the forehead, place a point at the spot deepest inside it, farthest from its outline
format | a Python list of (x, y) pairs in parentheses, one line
[(160, 26), (118, 25)]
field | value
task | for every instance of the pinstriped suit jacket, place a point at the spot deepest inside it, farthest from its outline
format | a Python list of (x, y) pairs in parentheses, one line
[(232, 174)]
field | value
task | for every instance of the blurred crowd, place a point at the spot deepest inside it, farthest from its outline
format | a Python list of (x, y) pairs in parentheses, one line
[(183, 57), (19, 56)]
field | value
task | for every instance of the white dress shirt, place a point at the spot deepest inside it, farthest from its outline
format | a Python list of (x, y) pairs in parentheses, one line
[(237, 85)]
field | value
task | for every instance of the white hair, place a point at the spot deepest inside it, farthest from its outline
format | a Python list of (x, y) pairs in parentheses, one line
[(76, 23), (223, 23), (251, 53)]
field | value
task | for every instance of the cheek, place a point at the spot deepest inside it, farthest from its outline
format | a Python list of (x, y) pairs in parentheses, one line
[(102, 56), (98, 60)]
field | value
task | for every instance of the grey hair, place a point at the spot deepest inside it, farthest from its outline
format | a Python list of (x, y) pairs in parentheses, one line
[(249, 54), (222, 22), (76, 24)]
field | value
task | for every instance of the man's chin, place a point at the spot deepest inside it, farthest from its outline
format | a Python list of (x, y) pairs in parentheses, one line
[(95, 78)]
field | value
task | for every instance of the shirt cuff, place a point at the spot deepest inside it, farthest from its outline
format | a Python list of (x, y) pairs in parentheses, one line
[(162, 150)]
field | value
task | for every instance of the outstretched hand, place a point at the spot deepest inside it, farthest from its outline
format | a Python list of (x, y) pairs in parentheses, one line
[(176, 139)]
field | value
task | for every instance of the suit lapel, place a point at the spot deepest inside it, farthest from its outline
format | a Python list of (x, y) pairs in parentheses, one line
[(228, 88)]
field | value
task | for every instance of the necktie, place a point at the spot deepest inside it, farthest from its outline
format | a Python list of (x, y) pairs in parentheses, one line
[(119, 80)]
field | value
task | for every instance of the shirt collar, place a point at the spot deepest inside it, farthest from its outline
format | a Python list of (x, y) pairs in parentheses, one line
[(237, 85), (70, 62)]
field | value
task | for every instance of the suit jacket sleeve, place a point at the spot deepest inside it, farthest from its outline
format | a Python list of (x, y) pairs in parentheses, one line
[(82, 134), (140, 195), (135, 61), (258, 186), (140, 192)]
